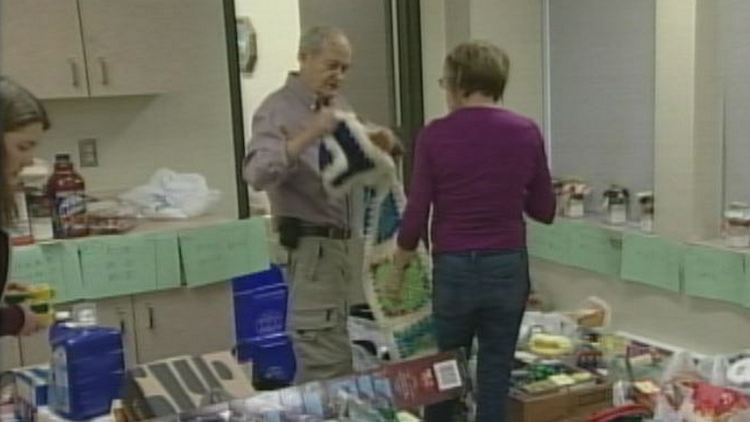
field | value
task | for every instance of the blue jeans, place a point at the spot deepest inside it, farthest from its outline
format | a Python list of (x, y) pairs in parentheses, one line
[(480, 294)]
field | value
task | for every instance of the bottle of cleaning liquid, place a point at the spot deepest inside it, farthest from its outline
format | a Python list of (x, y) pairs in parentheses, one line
[(87, 368)]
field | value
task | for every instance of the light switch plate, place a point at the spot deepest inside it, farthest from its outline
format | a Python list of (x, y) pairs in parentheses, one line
[(87, 152)]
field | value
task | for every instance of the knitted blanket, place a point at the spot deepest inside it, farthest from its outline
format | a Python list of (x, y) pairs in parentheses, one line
[(357, 163)]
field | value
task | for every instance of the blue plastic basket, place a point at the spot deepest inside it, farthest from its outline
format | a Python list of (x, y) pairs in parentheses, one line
[(273, 359), (260, 308)]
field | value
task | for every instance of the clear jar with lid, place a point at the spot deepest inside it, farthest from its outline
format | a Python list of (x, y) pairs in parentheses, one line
[(737, 225), (575, 192), (646, 204), (560, 196), (616, 204)]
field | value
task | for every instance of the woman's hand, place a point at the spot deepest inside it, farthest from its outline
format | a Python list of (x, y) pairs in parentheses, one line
[(395, 284), (402, 258), (17, 287), (32, 323)]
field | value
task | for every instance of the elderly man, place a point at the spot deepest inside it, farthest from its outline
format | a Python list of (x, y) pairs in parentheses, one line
[(285, 159)]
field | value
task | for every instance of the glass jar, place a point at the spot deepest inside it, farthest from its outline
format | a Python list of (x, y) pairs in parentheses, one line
[(575, 192), (616, 205), (646, 203), (737, 225)]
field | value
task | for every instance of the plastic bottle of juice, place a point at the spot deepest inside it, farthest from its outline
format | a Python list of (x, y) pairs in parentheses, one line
[(66, 190)]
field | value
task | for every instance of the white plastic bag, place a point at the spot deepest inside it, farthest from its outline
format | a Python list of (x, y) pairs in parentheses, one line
[(714, 369), (741, 417), (173, 196), (620, 393), (682, 364), (550, 323), (663, 412)]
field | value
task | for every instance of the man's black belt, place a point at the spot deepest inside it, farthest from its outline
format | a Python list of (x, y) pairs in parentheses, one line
[(291, 230), (328, 232)]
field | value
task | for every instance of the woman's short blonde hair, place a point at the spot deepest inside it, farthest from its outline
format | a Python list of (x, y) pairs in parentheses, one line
[(477, 66)]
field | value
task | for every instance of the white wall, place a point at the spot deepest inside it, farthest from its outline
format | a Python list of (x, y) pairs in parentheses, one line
[(433, 52), (514, 25), (277, 26)]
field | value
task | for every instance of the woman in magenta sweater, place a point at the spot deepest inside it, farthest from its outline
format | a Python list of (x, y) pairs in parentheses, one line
[(479, 169)]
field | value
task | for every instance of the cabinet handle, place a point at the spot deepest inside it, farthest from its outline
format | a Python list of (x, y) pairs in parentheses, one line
[(105, 71), (122, 326), (151, 323), (74, 73)]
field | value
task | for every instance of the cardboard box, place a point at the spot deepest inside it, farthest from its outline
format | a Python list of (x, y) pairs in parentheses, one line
[(567, 405), (185, 383), (31, 388), (402, 385), (428, 380)]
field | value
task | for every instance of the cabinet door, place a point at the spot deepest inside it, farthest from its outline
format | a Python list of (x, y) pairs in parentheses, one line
[(116, 312), (10, 353), (146, 46), (35, 349), (41, 48), (184, 321)]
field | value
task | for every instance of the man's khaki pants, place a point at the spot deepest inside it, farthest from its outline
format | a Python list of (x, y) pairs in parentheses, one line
[(320, 279)]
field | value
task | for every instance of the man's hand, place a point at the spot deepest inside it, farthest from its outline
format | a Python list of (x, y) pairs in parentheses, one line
[(395, 284), (322, 124), (386, 140)]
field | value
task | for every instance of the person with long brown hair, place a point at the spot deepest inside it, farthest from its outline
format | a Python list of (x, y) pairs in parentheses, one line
[(23, 121)]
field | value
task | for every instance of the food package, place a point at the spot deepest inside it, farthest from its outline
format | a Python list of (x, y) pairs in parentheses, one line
[(110, 217)]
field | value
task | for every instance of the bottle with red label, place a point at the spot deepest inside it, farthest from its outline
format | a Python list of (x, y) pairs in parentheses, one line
[(66, 190)]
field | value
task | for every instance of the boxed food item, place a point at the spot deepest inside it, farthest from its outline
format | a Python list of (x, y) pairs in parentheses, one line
[(563, 405), (110, 217), (550, 391), (428, 380)]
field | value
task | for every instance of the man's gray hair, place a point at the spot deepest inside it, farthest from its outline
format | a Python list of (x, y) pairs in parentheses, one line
[(313, 40)]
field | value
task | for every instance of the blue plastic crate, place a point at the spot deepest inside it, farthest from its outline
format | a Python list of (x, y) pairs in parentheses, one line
[(273, 359), (260, 309)]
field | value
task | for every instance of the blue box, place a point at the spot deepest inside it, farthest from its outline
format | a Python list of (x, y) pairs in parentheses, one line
[(260, 308), (261, 312), (32, 387), (273, 359), (269, 277)]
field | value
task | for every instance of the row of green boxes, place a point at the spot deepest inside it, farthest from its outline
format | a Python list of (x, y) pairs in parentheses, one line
[(98, 267), (697, 270)]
